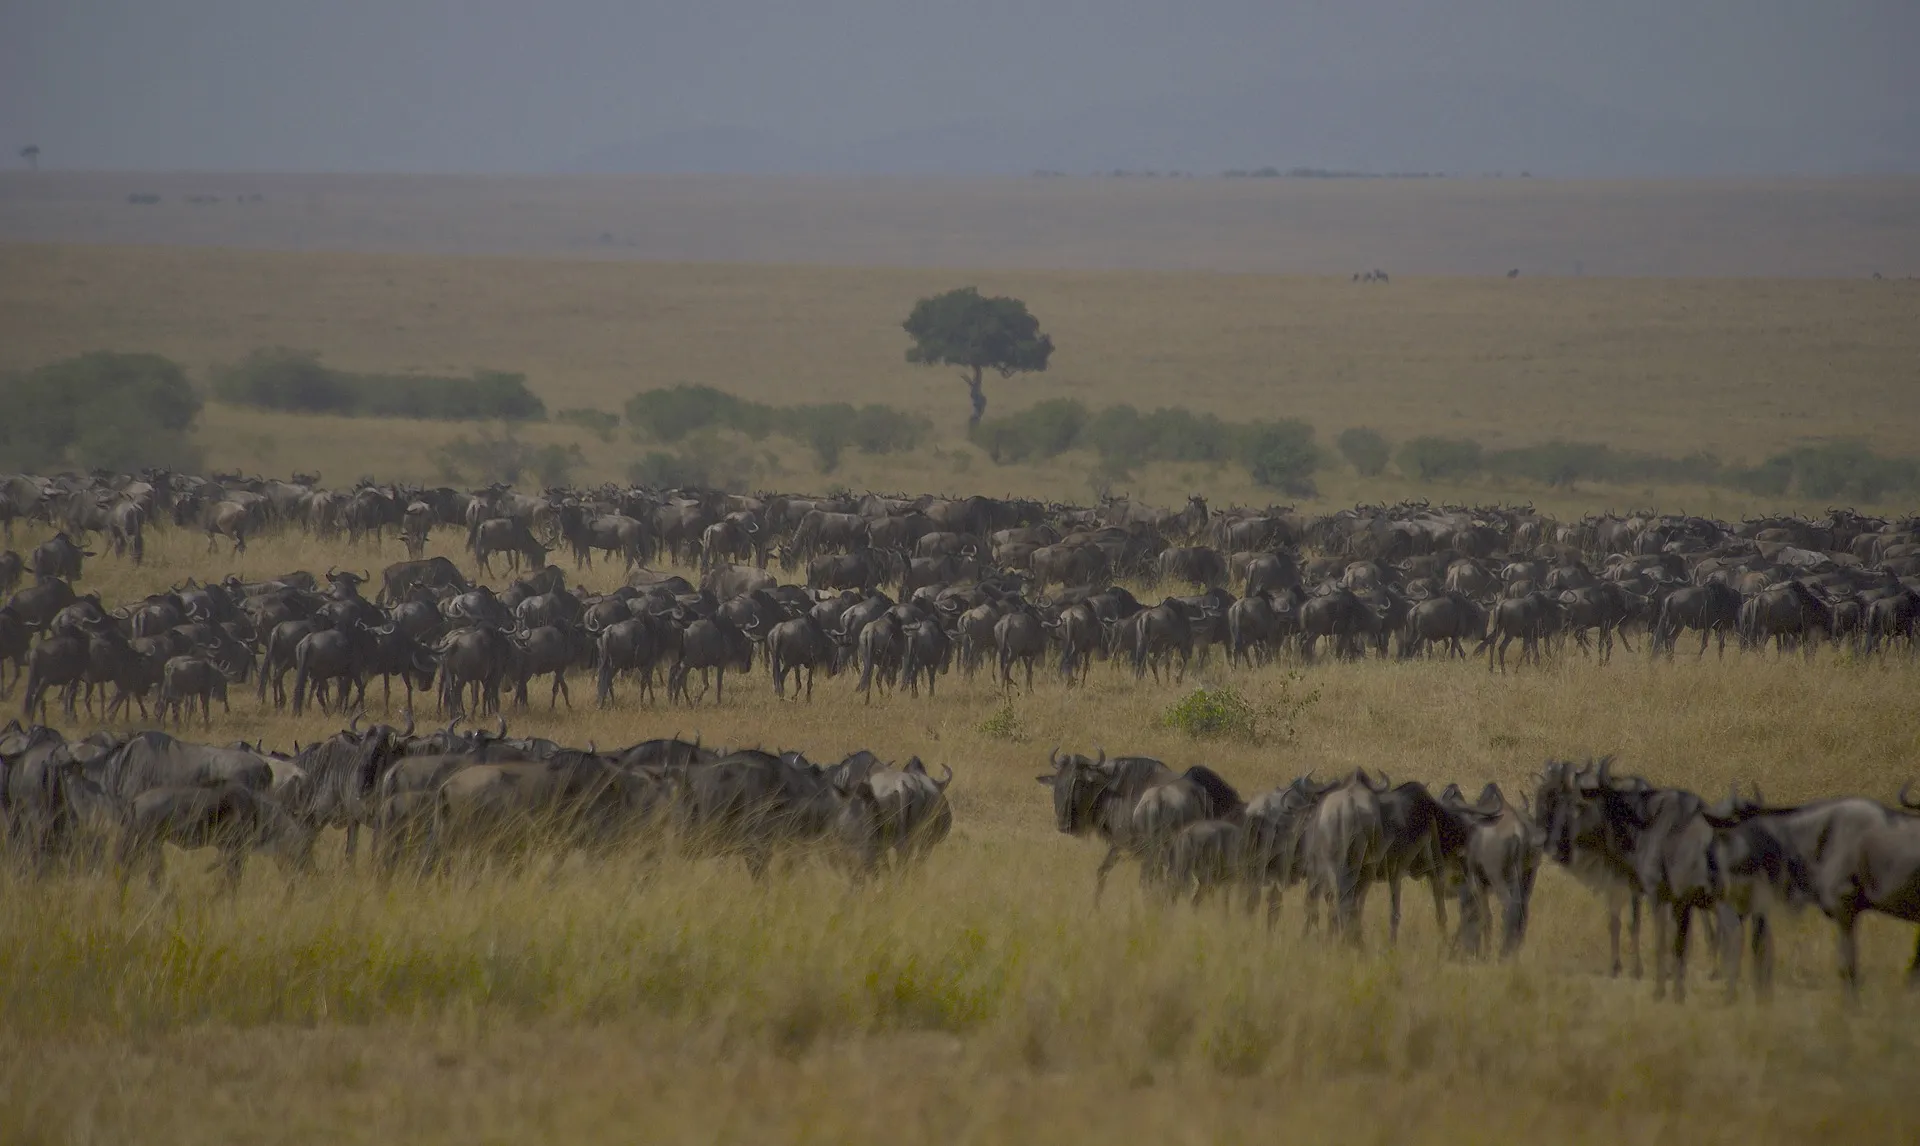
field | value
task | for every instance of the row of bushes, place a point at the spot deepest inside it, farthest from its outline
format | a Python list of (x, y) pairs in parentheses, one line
[(671, 413), (114, 411), (1842, 469), (1281, 454), (297, 381)]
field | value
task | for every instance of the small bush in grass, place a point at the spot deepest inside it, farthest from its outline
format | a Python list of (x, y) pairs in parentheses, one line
[(1209, 713), (599, 423), (1428, 458), (1365, 450), (1004, 724), (1226, 713)]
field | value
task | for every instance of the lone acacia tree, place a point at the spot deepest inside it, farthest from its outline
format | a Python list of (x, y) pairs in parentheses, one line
[(31, 153), (962, 328)]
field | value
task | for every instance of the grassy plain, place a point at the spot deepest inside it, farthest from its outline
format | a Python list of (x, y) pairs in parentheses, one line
[(1766, 228), (1741, 368), (984, 999)]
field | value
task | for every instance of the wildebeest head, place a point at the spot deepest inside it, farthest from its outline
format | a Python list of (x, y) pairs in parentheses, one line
[(1077, 783)]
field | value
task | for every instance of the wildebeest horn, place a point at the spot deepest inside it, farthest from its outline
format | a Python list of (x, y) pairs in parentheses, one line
[(329, 572), (1606, 772), (408, 713), (948, 779), (1904, 802), (353, 726), (502, 734), (593, 749), (452, 724), (1053, 761), (1103, 758)]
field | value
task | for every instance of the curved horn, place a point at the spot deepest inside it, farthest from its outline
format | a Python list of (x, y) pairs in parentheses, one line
[(948, 779), (1103, 758), (1903, 797), (353, 726), (1053, 759), (593, 749), (502, 734), (1606, 772), (408, 713), (451, 724)]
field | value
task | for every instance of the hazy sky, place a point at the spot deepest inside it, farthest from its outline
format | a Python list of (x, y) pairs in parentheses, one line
[(521, 85)]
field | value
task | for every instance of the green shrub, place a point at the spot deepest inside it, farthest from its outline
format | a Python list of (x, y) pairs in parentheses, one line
[(1208, 713), (599, 423), (1216, 713), (1429, 458), (507, 459), (1281, 455), (296, 381), (671, 413), (1004, 724), (106, 410), (1044, 430), (1365, 450), (1768, 479)]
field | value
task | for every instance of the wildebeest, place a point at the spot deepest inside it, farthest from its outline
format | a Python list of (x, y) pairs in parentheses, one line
[(1576, 836), (398, 580), (231, 817), (57, 556), (1501, 857), (1342, 848), (798, 646), (505, 535), (185, 679), (1102, 797), (903, 812)]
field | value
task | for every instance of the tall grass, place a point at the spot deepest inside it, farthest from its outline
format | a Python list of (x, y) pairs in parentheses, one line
[(985, 997)]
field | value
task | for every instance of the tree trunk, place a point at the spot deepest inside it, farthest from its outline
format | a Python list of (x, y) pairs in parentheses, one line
[(979, 397)]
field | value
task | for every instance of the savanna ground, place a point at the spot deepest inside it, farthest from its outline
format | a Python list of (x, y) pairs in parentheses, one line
[(985, 998)]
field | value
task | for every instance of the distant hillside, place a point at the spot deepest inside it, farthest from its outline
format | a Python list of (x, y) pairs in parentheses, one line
[(1357, 123)]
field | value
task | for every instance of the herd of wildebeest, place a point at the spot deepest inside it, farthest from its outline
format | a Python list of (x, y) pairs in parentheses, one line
[(894, 588), (446, 798), (913, 587)]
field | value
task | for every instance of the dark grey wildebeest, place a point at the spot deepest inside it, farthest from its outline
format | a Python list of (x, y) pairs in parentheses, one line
[(1102, 798)]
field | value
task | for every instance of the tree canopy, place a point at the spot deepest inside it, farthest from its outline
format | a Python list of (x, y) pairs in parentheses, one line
[(976, 333), (116, 411)]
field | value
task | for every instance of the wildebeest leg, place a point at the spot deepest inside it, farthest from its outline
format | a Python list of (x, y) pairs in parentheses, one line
[(1107, 864), (1682, 924), (1845, 920), (1730, 936), (1614, 897), (1633, 933), (1661, 922), (1763, 957), (1393, 902)]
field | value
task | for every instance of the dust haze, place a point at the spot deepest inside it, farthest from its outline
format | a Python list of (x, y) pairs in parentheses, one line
[(1636, 88)]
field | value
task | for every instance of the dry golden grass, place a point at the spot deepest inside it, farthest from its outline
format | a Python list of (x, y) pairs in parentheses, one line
[(1837, 228), (1742, 368), (984, 999)]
